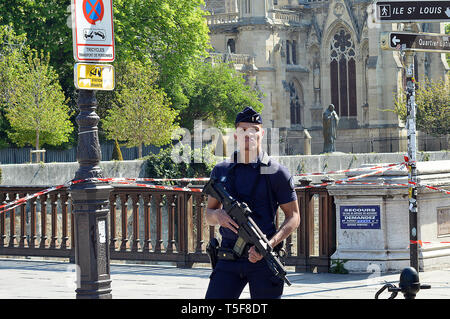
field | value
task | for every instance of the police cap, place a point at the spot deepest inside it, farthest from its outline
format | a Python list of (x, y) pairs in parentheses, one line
[(248, 115)]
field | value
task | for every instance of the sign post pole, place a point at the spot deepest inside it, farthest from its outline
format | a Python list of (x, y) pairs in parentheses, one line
[(412, 149), (409, 12)]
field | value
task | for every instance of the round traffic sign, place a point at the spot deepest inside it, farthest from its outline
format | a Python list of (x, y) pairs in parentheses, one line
[(93, 10)]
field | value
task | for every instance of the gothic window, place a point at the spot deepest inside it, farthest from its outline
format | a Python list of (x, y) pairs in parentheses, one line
[(294, 104), (291, 52), (288, 52), (247, 6), (294, 52), (343, 73)]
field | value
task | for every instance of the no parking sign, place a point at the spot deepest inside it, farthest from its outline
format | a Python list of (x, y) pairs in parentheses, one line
[(93, 30)]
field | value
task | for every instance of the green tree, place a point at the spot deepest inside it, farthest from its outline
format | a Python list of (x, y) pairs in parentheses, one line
[(12, 50), (37, 109), (45, 24), (216, 93), (170, 33), (141, 112), (433, 107), (173, 34)]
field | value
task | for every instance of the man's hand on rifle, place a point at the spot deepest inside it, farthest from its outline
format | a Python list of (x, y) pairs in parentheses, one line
[(253, 255), (224, 220), (215, 215)]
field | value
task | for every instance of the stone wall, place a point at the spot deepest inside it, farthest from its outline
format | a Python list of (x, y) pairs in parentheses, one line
[(59, 173)]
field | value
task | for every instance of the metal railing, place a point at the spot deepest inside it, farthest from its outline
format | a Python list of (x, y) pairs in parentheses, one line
[(222, 18), (155, 225)]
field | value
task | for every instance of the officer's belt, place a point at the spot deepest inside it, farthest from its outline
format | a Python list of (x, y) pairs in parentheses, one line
[(224, 253), (229, 254)]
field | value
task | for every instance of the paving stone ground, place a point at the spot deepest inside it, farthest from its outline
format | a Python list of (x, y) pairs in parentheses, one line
[(39, 279)]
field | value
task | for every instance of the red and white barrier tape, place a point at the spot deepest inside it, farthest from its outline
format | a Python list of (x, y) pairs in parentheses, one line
[(196, 179), (128, 181), (18, 202), (431, 187), (350, 179), (170, 188), (352, 170), (421, 242)]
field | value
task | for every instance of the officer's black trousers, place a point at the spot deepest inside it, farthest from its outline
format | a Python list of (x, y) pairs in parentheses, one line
[(229, 278)]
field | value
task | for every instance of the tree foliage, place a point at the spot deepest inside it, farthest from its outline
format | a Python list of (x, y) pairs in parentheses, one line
[(447, 31), (37, 109), (141, 112), (12, 50), (433, 107), (162, 165), (172, 34), (216, 93), (45, 24)]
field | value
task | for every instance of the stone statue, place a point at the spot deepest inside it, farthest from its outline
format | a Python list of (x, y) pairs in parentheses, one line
[(316, 75), (316, 83), (330, 121)]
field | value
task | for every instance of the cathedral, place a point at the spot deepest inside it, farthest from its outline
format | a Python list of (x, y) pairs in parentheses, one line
[(304, 55)]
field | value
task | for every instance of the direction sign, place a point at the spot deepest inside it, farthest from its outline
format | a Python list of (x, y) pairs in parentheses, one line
[(406, 41), (94, 76), (93, 30), (413, 11)]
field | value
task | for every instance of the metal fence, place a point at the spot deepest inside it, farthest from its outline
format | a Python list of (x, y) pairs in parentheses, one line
[(22, 155), (156, 225)]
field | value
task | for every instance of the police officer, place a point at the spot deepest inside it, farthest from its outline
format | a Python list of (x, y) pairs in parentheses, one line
[(253, 177)]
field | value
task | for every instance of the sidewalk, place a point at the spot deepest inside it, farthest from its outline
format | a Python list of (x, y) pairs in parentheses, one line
[(31, 279)]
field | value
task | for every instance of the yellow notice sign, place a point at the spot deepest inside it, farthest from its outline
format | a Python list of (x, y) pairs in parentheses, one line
[(94, 76)]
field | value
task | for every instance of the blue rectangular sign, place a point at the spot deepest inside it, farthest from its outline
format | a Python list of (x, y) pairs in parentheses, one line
[(360, 217)]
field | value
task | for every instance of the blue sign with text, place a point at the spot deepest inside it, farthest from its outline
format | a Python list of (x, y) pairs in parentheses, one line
[(360, 217)]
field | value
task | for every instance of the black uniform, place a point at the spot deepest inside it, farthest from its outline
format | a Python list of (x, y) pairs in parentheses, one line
[(263, 185)]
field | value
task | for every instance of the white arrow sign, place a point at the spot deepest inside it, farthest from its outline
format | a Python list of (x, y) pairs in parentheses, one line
[(447, 12), (395, 40)]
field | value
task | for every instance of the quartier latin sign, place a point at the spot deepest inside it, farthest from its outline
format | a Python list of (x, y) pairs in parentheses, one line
[(406, 41)]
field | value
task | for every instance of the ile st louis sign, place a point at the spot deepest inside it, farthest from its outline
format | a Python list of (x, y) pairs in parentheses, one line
[(413, 11), (406, 41)]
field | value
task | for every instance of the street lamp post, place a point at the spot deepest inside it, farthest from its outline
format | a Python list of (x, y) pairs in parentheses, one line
[(90, 201)]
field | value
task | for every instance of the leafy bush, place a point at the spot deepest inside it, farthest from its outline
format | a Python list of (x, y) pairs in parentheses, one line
[(433, 107), (337, 266), (166, 164)]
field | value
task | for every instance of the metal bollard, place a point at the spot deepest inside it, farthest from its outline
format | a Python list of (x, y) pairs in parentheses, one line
[(409, 285)]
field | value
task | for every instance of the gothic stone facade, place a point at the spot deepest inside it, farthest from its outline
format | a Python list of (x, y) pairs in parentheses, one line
[(306, 54)]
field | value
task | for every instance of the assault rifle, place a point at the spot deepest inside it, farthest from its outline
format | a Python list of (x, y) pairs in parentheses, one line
[(248, 231)]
